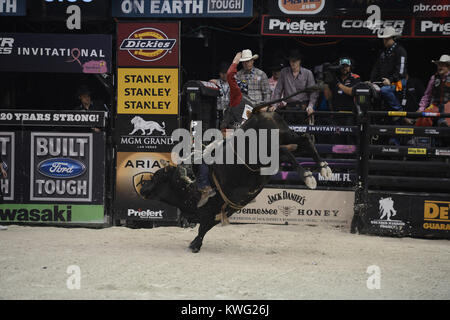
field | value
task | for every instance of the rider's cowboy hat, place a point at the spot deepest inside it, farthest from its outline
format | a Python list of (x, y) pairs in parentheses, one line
[(445, 58), (247, 55), (388, 32)]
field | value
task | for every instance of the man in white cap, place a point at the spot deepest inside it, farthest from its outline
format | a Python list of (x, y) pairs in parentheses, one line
[(390, 68), (437, 94), (257, 80)]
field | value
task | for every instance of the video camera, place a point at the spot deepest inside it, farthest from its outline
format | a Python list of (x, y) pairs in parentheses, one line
[(327, 72)]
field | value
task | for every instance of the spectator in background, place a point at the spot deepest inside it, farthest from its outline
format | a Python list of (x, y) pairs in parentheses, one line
[(223, 101), (339, 90), (256, 79), (86, 102), (338, 93), (390, 68), (437, 94), (276, 71), (292, 79)]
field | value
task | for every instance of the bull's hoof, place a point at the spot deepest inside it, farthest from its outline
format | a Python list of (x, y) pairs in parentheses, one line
[(195, 246), (195, 250)]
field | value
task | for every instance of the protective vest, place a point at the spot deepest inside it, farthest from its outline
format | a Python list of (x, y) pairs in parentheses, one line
[(233, 115)]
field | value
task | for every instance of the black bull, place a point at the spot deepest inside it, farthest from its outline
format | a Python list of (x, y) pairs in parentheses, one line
[(236, 184)]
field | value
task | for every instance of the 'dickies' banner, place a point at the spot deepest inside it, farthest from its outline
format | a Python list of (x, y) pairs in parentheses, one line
[(62, 53)]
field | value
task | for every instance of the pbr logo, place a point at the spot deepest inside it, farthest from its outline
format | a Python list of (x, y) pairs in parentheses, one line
[(61, 167), (301, 7), (148, 44)]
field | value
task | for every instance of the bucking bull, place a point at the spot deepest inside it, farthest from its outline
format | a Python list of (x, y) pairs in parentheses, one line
[(236, 184)]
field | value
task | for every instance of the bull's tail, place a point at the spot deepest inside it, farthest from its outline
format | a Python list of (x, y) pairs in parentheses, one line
[(163, 125)]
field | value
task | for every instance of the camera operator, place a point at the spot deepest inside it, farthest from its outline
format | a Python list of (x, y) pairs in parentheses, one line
[(338, 92)]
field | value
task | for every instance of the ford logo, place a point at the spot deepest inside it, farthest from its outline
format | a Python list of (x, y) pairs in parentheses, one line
[(61, 168)]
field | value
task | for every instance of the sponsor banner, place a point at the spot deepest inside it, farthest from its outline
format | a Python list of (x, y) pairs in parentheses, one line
[(329, 26), (51, 213), (66, 53), (404, 130), (148, 44), (431, 8), (306, 7), (432, 27), (13, 8), (90, 119), (147, 91), (182, 8), (408, 214), (295, 206), (325, 129), (132, 169), (7, 151), (442, 152), (421, 151), (145, 133), (337, 179), (61, 167), (436, 215)]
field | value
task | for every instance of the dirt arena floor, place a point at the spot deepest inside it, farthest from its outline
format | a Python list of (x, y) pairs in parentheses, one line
[(236, 262)]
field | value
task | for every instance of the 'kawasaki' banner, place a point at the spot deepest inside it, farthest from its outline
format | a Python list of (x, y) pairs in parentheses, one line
[(182, 8), (70, 53), (51, 213)]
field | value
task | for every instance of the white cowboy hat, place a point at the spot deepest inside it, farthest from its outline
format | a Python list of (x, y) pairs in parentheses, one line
[(247, 55), (445, 58), (388, 32)]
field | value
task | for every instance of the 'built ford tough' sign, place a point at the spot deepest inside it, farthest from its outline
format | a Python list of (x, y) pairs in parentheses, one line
[(61, 167), (182, 8)]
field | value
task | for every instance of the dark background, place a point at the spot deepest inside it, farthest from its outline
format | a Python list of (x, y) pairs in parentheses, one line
[(204, 44)]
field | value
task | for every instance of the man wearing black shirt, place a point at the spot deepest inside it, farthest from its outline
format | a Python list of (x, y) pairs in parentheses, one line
[(390, 68)]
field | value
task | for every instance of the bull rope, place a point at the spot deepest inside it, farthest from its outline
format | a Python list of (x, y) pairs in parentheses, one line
[(222, 216)]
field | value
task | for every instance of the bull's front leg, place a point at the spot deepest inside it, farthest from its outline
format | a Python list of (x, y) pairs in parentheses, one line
[(205, 226), (304, 141), (307, 176)]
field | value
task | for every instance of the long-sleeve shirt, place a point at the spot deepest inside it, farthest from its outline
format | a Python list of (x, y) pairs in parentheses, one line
[(287, 85), (235, 92), (258, 84), (428, 95)]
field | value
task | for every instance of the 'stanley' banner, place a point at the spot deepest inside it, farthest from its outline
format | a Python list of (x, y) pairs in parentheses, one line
[(147, 91), (66, 53), (182, 8)]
